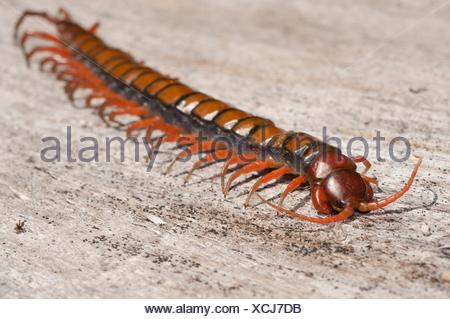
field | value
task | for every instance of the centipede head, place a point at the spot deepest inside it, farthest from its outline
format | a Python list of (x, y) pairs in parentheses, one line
[(336, 184), (342, 188)]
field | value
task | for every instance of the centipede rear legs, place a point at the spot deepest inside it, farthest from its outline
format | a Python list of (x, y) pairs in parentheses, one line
[(31, 13)]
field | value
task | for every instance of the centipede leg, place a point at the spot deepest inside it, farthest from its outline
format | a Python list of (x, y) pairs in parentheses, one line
[(200, 147), (40, 35), (275, 174), (235, 159), (160, 125), (75, 84), (93, 29), (55, 50), (215, 156), (77, 79), (72, 86), (134, 111), (89, 100), (141, 124), (371, 180), (249, 168), (59, 61), (115, 103), (103, 93), (55, 62), (296, 182), (180, 139), (30, 13), (364, 161), (78, 72)]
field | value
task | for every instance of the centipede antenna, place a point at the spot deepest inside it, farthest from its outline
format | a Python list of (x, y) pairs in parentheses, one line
[(365, 207)]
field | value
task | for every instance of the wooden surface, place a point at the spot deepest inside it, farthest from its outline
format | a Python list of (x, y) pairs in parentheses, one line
[(114, 230)]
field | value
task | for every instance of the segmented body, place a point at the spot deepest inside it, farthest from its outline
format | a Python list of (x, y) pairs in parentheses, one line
[(166, 104), (184, 107)]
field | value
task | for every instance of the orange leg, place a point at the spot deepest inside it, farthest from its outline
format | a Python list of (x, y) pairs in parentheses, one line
[(89, 100), (93, 29), (161, 126), (296, 182), (249, 168), (69, 63), (136, 111), (71, 87), (101, 92), (180, 139), (55, 50), (275, 174), (81, 79), (141, 124), (218, 155), (201, 147), (235, 159), (69, 75), (371, 180), (79, 73), (39, 35), (364, 161), (115, 103), (76, 84), (151, 123), (29, 13), (54, 61), (367, 165)]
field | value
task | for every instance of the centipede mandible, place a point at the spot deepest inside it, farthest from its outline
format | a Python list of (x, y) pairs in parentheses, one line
[(158, 102)]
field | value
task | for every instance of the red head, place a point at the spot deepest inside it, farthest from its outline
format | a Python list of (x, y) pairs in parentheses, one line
[(335, 184)]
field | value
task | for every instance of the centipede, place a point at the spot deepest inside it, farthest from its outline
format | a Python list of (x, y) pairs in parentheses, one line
[(158, 102)]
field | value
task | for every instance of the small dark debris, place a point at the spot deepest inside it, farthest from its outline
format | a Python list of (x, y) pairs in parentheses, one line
[(20, 227), (418, 90)]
